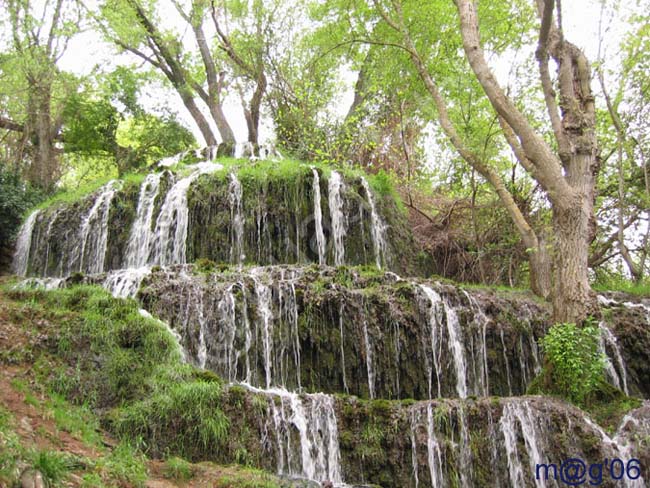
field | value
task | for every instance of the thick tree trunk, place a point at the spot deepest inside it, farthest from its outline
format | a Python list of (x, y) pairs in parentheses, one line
[(44, 168), (196, 114), (225, 131), (572, 294), (253, 115)]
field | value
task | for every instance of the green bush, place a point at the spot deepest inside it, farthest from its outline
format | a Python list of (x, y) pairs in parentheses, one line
[(16, 197), (574, 365)]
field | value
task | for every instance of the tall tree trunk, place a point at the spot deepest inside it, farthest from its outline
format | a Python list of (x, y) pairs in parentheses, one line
[(571, 292), (252, 113), (195, 112), (44, 166), (568, 176)]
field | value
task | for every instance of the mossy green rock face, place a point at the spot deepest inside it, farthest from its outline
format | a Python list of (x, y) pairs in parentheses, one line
[(273, 220), (365, 332), (350, 330), (475, 443)]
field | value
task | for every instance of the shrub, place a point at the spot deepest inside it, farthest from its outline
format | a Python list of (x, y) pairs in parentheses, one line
[(574, 365), (16, 197)]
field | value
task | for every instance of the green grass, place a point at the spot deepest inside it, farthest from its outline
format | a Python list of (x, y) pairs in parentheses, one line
[(54, 466), (247, 478), (125, 465), (11, 452), (178, 469), (619, 284), (78, 421), (72, 195), (129, 366)]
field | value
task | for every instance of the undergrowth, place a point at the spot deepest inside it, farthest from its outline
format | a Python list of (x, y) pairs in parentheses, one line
[(128, 365)]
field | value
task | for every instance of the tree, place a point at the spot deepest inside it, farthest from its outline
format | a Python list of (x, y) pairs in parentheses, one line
[(135, 27), (625, 189), (34, 89), (565, 170)]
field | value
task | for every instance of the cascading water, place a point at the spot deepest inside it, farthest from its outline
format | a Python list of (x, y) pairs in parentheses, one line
[(124, 283), (313, 418), (235, 193), (619, 447), (369, 362), (141, 236), (169, 243), (377, 227), (290, 327), (480, 361), (607, 339), (91, 258), (263, 293), (454, 337), (48, 234), (318, 219), (519, 413), (434, 455), (23, 245), (431, 302), (337, 217)]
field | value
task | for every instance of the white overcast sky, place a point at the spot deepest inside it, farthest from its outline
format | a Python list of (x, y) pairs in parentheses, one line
[(580, 19)]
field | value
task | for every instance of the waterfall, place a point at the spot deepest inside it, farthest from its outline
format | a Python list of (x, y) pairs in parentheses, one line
[(432, 300), (313, 418), (169, 245), (236, 220), (505, 360), (141, 236), (609, 339), (369, 362), (95, 224), (202, 351), (48, 233), (619, 446), (265, 315), (224, 341), (434, 454), (318, 218), (456, 347), (248, 336), (337, 217), (125, 283), (455, 339), (479, 322), (23, 245), (377, 227), (414, 447), (289, 315), (345, 382), (519, 412), (508, 427)]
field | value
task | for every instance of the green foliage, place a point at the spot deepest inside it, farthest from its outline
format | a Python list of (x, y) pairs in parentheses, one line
[(184, 419), (54, 466), (77, 420), (16, 198), (574, 365), (158, 402), (125, 465), (178, 469), (613, 282), (11, 452)]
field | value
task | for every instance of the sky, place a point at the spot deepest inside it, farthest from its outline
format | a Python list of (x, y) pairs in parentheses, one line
[(580, 20)]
